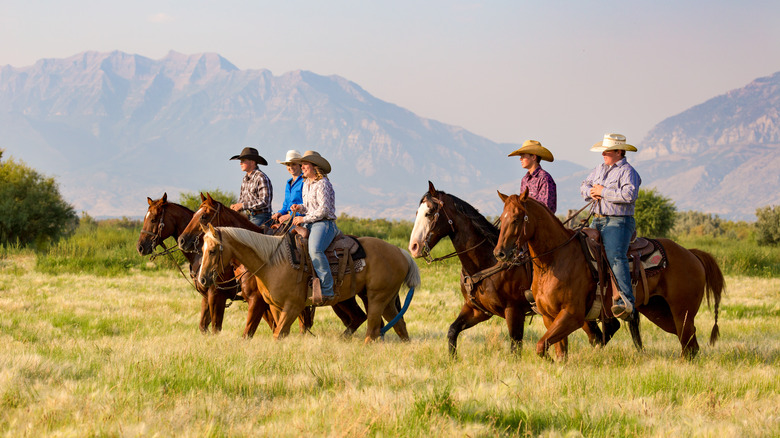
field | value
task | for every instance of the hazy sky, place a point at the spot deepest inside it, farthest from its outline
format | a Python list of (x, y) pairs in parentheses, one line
[(561, 72)]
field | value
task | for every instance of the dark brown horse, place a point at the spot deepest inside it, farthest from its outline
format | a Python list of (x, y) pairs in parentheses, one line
[(488, 287), (564, 288), (166, 219), (215, 213)]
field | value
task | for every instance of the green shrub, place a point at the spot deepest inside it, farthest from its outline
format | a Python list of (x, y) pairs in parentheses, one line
[(33, 211), (192, 200), (654, 214), (695, 223), (768, 225)]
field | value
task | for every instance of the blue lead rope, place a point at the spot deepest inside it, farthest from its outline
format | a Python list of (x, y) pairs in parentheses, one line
[(400, 315)]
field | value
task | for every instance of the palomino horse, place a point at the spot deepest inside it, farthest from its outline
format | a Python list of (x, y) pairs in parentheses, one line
[(564, 288), (267, 257), (215, 213), (488, 287), (165, 219)]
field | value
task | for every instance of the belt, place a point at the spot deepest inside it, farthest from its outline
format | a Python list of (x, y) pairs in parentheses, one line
[(611, 215)]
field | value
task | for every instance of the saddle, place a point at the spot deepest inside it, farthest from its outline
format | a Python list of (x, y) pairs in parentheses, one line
[(646, 257), (345, 255)]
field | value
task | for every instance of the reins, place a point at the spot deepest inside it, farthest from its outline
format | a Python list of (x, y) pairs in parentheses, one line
[(427, 250)]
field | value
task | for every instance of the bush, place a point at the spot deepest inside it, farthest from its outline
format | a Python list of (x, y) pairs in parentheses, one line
[(33, 212), (654, 214), (695, 223), (768, 225), (192, 200)]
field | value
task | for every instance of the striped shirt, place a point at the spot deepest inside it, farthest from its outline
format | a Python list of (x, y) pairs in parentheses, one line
[(541, 187), (319, 201), (621, 188), (256, 192)]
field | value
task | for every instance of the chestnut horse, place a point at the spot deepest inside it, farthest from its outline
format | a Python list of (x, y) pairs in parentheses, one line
[(217, 214), (564, 288), (267, 257), (165, 219), (488, 288)]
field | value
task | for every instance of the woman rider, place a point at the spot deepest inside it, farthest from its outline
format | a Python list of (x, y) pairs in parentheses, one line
[(318, 215)]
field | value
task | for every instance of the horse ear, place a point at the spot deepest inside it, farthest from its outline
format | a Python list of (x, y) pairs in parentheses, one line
[(431, 188), (502, 196), (165, 197), (208, 196), (202, 198), (149, 200), (524, 195), (212, 230)]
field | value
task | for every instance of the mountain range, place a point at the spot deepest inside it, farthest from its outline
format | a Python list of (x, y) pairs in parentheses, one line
[(114, 128)]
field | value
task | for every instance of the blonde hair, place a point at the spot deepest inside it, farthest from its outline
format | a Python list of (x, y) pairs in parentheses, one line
[(319, 172)]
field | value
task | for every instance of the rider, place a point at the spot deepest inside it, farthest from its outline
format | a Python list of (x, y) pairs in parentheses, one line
[(540, 184), (292, 190), (256, 189), (614, 185), (318, 216)]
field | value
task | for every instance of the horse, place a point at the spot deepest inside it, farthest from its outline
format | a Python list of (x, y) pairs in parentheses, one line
[(564, 287), (215, 213), (165, 219), (386, 269), (488, 287)]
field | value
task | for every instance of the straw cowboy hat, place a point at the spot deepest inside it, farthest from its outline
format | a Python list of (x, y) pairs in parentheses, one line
[(612, 142), (315, 158), (533, 147), (250, 154), (292, 154)]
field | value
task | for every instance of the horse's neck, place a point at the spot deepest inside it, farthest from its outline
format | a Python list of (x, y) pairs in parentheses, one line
[(230, 218), (474, 255), (549, 238), (252, 257)]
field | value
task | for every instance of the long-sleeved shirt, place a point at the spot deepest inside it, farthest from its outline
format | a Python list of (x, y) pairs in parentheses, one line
[(541, 187), (256, 192), (319, 201), (621, 188), (292, 194)]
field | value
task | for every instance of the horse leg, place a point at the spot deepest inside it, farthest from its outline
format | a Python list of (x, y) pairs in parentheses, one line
[(306, 319), (287, 316), (205, 315), (217, 307), (559, 328), (350, 314), (258, 309), (515, 322), (391, 310), (633, 328), (595, 337), (562, 348), (468, 317), (687, 333)]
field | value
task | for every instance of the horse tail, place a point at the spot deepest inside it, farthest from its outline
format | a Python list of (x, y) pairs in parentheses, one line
[(715, 285), (413, 274)]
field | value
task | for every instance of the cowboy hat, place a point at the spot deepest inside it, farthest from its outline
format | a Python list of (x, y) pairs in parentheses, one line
[(250, 154), (612, 142), (533, 147), (315, 158), (292, 154)]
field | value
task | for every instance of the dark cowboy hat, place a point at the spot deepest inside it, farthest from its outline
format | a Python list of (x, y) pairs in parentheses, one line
[(250, 154)]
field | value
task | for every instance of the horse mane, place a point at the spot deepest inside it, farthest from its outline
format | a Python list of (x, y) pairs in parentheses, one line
[(479, 221), (264, 246), (243, 220)]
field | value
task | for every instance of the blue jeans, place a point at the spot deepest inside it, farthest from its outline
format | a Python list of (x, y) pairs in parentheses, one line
[(321, 234), (616, 234), (259, 219)]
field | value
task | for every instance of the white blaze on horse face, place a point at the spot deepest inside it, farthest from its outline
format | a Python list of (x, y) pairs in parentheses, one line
[(147, 215), (420, 231), (207, 243)]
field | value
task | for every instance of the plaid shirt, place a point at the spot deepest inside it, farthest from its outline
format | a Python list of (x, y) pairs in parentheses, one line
[(541, 187), (319, 201), (621, 188), (256, 192)]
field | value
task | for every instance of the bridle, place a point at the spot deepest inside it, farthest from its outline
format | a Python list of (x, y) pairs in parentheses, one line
[(426, 250), (157, 235), (237, 278), (520, 257)]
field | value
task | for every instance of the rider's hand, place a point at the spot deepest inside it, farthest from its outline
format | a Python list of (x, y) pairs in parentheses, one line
[(297, 220)]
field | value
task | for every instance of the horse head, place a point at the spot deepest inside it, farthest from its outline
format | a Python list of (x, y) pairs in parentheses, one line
[(207, 213), (428, 228), (516, 229), (213, 256), (154, 230)]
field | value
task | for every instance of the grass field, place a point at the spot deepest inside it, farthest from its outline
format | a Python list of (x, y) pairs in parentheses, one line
[(121, 355)]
